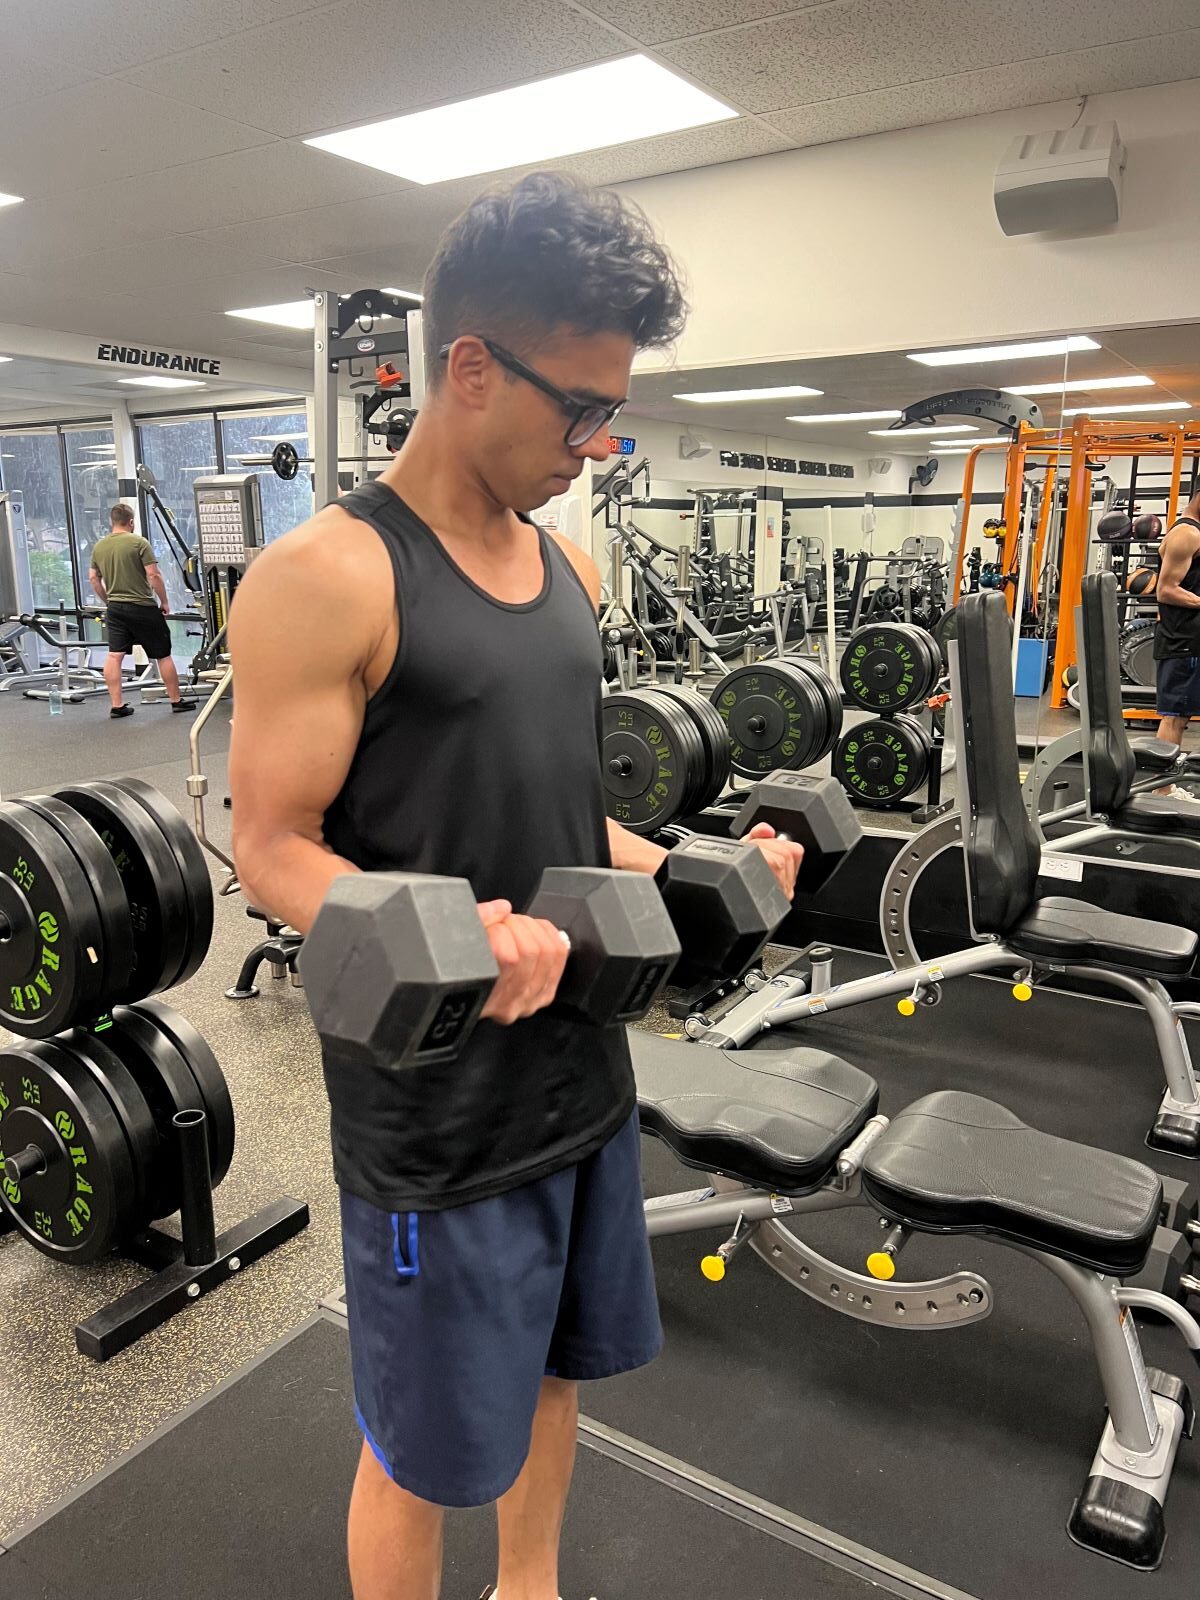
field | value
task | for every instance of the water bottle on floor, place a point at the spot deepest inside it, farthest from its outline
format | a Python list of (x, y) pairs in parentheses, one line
[(55, 701)]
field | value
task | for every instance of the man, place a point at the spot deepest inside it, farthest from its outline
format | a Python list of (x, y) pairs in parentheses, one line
[(442, 715), (1177, 637), (125, 577)]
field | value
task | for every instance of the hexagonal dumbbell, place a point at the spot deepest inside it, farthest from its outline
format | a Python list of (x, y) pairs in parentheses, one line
[(398, 966), (725, 903), (815, 812)]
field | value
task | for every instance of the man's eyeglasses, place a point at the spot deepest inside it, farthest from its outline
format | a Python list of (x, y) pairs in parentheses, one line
[(587, 417)]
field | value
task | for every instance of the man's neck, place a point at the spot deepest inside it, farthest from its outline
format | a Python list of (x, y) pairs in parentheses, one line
[(429, 474)]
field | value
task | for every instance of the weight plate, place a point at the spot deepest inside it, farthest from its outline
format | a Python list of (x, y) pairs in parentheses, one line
[(646, 752), (153, 881), (117, 954), (833, 703), (885, 667), (1136, 644), (162, 1074), (775, 716), (77, 1206), (881, 761), (206, 1072), (690, 743), (285, 460), (933, 655), (142, 1134), (51, 967), (713, 737), (945, 629), (193, 869)]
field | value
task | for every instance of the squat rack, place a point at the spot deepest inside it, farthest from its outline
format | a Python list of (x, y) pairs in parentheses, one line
[(1080, 450)]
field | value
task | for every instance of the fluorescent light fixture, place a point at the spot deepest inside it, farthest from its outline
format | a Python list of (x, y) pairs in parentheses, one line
[(1120, 411), (1135, 381), (12, 199), (612, 103), (5, 358), (1005, 352), (905, 433), (406, 294), (850, 416), (288, 314), (162, 383), (717, 397)]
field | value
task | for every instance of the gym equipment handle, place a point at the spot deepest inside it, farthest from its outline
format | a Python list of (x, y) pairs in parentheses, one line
[(24, 1164)]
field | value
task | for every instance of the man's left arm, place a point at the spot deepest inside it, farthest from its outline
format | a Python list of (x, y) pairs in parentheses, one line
[(630, 852)]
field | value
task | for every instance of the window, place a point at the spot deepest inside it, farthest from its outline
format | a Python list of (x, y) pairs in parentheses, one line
[(92, 480), (285, 503), (32, 463), (177, 451)]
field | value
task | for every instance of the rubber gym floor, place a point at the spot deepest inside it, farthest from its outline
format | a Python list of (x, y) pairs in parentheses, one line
[(775, 1449)]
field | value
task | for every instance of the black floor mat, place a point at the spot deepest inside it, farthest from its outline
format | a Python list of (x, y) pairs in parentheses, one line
[(244, 1498), (958, 1452)]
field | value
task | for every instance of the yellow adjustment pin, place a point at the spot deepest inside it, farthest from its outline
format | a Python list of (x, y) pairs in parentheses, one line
[(1022, 991), (907, 1006), (713, 1268), (881, 1265)]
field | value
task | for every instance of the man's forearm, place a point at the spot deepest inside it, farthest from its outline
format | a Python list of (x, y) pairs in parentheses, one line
[(631, 853), (288, 876), (99, 591), (160, 590), (1170, 594)]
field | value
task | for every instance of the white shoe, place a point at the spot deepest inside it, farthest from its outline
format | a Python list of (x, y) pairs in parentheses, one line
[(1175, 792)]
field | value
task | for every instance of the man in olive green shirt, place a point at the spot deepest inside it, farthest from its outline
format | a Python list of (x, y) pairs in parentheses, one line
[(125, 576)]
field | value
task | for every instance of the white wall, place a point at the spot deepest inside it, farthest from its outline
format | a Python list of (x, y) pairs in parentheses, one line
[(891, 242)]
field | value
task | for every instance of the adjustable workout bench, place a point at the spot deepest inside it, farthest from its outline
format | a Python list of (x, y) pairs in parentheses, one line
[(796, 1131), (1016, 931)]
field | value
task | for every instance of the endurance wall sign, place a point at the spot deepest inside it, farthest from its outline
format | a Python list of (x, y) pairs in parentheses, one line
[(161, 360)]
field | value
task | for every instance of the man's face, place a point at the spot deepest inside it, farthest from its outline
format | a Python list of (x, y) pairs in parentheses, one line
[(522, 453)]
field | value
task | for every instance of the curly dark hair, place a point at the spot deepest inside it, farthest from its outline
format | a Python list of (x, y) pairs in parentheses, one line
[(546, 253)]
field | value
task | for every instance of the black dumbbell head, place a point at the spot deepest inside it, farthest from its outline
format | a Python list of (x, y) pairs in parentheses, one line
[(623, 945), (815, 812), (725, 903), (397, 967)]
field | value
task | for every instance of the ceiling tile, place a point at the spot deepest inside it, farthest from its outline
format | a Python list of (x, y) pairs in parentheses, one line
[(857, 46), (97, 132), (123, 33), (176, 259), (244, 186), (967, 94), (259, 287), (677, 19), (43, 233), (336, 230), (30, 74), (321, 76), (675, 152)]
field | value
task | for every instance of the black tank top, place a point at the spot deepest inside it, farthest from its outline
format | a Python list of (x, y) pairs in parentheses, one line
[(479, 758), (1178, 631)]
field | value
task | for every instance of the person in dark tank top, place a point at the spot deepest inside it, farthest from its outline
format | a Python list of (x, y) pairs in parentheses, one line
[(1177, 636), (441, 714)]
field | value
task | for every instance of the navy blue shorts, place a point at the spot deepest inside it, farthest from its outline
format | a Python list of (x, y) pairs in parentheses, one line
[(456, 1316), (1177, 692)]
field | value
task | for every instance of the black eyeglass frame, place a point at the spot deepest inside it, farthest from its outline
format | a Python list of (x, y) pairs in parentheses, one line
[(581, 412)]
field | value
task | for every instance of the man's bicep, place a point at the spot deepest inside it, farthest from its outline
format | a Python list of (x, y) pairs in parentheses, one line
[(1178, 551), (299, 702)]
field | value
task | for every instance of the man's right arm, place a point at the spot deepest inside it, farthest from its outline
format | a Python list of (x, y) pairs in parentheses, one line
[(300, 700), (97, 583), (1178, 551)]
